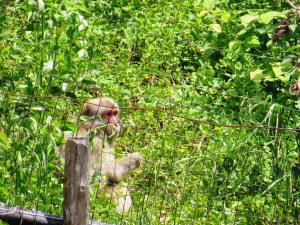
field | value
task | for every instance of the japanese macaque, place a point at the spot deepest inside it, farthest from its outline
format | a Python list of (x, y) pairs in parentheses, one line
[(104, 128)]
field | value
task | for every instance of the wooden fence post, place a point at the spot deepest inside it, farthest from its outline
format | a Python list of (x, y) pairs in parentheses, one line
[(76, 182)]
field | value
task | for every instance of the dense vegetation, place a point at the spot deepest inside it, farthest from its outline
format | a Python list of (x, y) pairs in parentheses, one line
[(201, 81)]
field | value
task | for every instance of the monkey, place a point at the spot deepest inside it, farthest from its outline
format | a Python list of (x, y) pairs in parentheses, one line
[(104, 128)]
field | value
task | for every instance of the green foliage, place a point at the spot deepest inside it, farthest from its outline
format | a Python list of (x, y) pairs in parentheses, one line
[(181, 69)]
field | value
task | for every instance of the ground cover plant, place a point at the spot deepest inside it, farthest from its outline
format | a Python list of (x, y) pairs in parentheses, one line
[(204, 88)]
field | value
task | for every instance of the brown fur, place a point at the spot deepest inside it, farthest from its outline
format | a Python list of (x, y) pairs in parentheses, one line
[(101, 155)]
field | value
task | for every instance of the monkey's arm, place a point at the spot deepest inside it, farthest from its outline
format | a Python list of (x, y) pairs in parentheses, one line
[(118, 169)]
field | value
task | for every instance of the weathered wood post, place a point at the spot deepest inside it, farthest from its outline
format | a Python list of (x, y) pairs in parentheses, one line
[(76, 182)]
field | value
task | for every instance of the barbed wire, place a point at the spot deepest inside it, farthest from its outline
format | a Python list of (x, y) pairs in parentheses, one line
[(209, 207), (218, 176), (172, 102), (180, 105), (162, 111)]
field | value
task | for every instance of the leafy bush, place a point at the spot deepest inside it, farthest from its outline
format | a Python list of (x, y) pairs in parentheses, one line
[(203, 90)]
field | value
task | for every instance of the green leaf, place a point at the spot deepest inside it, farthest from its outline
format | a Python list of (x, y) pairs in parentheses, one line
[(246, 19), (2, 19), (81, 53), (4, 138), (292, 48), (4, 191), (6, 81), (41, 5), (293, 27), (5, 50), (61, 56), (256, 75), (235, 45), (3, 147), (32, 2), (4, 142), (63, 38), (67, 126), (208, 4), (191, 16), (268, 17), (298, 107), (216, 27), (50, 23), (65, 86), (49, 65), (20, 162), (277, 69), (251, 42), (269, 75), (275, 182)]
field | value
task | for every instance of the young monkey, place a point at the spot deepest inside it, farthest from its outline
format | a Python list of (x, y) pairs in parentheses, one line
[(107, 129)]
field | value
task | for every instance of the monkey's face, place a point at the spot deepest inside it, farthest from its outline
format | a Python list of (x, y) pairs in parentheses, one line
[(111, 117), (108, 109)]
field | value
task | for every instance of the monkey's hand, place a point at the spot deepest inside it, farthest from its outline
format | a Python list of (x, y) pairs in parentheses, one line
[(118, 170), (135, 160)]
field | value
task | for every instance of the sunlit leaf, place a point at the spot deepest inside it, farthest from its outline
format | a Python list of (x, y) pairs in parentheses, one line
[(268, 17), (216, 27), (246, 19), (41, 4), (208, 4), (81, 53), (65, 86), (256, 74), (49, 65), (4, 142), (3, 191)]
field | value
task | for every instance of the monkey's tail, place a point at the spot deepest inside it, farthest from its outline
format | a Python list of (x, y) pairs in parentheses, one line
[(120, 196)]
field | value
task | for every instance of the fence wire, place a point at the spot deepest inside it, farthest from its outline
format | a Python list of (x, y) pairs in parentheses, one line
[(186, 165), (209, 156)]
